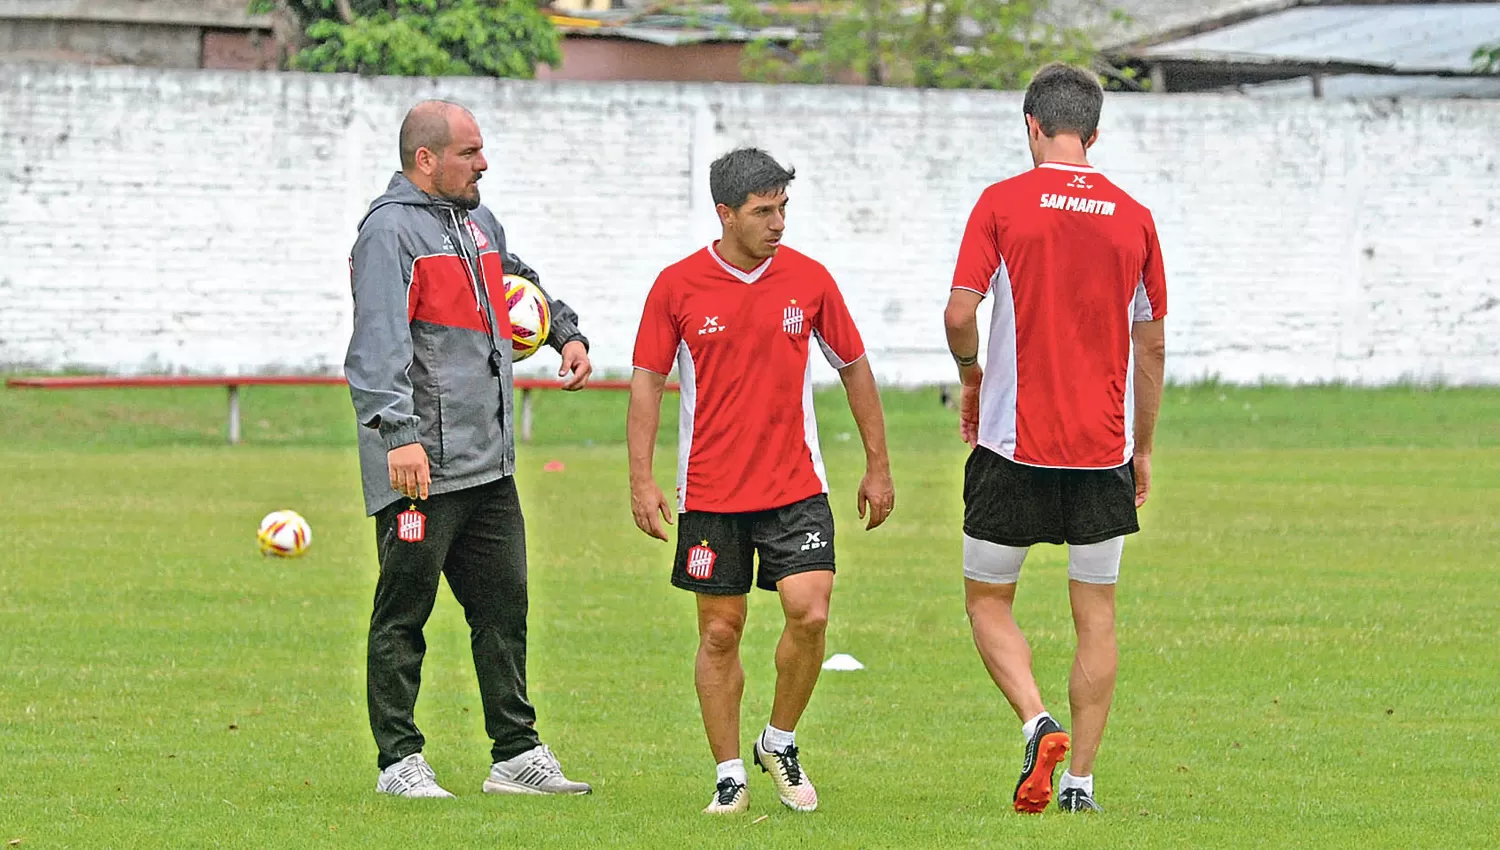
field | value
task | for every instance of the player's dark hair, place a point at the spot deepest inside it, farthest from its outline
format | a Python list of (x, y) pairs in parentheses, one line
[(737, 175), (1064, 99), (426, 126)]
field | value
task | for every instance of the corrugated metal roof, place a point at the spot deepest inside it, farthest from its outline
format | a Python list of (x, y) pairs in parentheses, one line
[(1427, 36), (665, 29), (1360, 86), (1146, 17)]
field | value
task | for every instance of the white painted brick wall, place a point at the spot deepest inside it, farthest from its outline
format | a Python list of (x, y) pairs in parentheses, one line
[(200, 221)]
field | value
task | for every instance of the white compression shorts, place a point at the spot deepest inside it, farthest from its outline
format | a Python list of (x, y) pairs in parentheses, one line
[(991, 563)]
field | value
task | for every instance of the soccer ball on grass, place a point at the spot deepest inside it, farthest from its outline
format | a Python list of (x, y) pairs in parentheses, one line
[(284, 534)]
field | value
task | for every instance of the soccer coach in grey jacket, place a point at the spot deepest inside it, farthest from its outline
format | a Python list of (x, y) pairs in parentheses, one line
[(429, 369)]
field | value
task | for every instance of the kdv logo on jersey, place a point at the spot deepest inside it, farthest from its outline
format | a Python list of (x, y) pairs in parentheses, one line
[(700, 561), (791, 319), (814, 541), (710, 326)]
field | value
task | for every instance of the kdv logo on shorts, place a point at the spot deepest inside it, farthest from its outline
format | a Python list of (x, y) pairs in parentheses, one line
[(814, 541)]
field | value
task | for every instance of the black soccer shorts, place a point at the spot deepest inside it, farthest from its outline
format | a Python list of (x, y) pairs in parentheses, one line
[(1017, 505), (716, 552)]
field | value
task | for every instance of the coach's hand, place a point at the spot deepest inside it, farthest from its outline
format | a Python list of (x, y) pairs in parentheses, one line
[(576, 367), (1142, 465), (410, 474), (876, 491), (968, 405), (650, 508)]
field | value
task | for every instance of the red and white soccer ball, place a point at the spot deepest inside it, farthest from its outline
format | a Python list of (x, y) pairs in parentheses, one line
[(284, 534), (530, 317)]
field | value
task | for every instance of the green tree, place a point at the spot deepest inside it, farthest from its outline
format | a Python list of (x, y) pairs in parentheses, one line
[(984, 44), (1487, 58), (499, 38)]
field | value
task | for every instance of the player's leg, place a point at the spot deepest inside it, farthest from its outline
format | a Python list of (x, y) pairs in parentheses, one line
[(717, 672), (1007, 508), (1093, 570), (991, 572), (719, 679), (486, 568), (1100, 509), (799, 653), (412, 540), (714, 560), (796, 549)]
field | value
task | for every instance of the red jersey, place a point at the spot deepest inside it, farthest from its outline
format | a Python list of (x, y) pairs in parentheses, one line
[(1072, 262), (747, 439)]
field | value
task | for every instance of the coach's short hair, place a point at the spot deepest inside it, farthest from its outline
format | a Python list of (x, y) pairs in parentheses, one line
[(1065, 99), (737, 175), (427, 126)]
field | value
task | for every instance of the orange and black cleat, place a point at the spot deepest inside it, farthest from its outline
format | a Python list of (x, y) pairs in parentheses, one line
[(1045, 750)]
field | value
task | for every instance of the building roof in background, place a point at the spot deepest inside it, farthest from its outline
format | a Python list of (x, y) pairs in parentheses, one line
[(1387, 49), (1347, 86), (665, 22), (665, 27), (225, 14), (1413, 37), (1148, 20)]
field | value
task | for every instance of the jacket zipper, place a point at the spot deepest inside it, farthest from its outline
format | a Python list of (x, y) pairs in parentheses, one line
[(472, 272)]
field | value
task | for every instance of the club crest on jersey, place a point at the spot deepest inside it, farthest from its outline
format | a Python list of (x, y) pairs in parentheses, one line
[(1080, 181), (480, 240), (710, 326), (791, 319), (700, 561), (411, 525)]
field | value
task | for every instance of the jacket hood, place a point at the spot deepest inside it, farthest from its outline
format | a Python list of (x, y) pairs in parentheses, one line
[(402, 191)]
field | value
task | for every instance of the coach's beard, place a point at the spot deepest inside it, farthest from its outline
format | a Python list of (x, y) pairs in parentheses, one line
[(469, 201)]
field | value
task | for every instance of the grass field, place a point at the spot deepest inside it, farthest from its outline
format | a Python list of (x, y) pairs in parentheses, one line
[(1309, 652)]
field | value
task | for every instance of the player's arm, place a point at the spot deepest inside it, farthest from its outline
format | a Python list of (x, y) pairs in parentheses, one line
[(844, 349), (978, 261), (1148, 336), (655, 347), (1150, 341), (647, 502), (877, 490), (379, 355), (961, 319)]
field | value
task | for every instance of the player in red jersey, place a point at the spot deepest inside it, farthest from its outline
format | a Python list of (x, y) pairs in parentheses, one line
[(1061, 419), (740, 319)]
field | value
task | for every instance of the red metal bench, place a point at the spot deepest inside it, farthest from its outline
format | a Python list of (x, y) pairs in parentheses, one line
[(234, 382)]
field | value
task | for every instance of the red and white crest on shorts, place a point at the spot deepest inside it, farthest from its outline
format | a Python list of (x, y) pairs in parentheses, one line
[(411, 526), (700, 561), (480, 240)]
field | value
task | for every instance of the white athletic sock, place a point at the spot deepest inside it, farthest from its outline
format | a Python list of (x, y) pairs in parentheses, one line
[(1071, 781), (776, 740), (1029, 727), (733, 769)]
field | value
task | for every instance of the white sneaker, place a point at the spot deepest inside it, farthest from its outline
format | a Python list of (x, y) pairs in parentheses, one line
[(730, 798), (791, 781), (410, 777), (535, 771)]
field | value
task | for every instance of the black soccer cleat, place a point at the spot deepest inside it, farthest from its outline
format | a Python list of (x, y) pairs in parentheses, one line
[(1044, 751), (1077, 800)]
